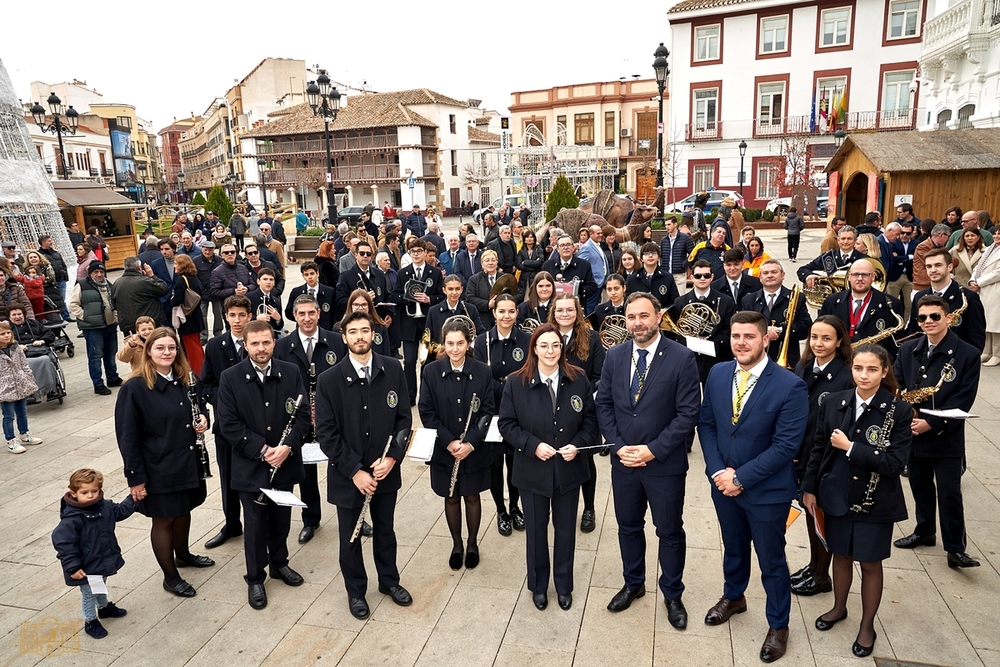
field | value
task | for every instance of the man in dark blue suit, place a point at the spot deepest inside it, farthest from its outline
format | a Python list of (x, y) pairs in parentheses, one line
[(752, 422), (647, 404)]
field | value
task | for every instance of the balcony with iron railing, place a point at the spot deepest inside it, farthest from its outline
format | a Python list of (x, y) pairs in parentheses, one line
[(855, 121), (337, 144), (343, 174), (966, 23)]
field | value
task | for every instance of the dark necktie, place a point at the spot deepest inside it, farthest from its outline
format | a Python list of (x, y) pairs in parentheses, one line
[(858, 305), (639, 377), (309, 349), (552, 394)]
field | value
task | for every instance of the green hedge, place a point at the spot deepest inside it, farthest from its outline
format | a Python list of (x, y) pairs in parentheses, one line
[(313, 231)]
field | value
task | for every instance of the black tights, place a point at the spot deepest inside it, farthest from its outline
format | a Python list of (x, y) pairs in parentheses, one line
[(496, 480), (169, 537), (473, 515), (590, 486), (871, 594), (819, 558)]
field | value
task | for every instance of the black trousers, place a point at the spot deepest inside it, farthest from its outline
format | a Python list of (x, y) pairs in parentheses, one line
[(410, 348), (381, 514), (265, 536), (793, 246), (947, 472), (238, 239), (230, 498), (309, 488), (590, 486), (537, 509)]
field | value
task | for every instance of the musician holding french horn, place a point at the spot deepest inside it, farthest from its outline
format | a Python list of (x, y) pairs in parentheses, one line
[(431, 345), (861, 446), (418, 289)]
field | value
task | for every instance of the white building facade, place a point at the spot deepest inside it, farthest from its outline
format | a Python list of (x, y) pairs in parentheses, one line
[(784, 77)]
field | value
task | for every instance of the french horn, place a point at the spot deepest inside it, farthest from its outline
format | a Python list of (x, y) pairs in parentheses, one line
[(696, 320), (829, 284), (613, 331)]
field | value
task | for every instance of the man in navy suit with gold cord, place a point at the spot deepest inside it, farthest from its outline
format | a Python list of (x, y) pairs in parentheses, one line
[(647, 404), (752, 421)]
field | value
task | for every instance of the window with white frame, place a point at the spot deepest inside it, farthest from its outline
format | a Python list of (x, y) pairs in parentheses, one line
[(896, 97), (774, 34), (770, 104), (903, 15), (835, 26), (706, 110), (706, 41), (829, 93), (704, 176), (768, 179)]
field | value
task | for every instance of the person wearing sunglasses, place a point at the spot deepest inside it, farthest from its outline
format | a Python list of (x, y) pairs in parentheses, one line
[(255, 262), (865, 311), (937, 459), (969, 325), (369, 278), (231, 277), (723, 306)]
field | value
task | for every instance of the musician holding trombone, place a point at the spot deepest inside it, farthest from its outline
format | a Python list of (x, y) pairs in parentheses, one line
[(418, 289), (360, 405), (861, 446), (257, 400)]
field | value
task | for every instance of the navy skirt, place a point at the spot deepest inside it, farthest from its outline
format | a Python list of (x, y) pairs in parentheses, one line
[(173, 503), (862, 541)]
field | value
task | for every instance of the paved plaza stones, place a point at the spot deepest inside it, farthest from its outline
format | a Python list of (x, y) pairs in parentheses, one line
[(929, 613)]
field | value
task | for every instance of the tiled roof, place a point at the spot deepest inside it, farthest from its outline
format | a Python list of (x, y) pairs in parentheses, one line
[(939, 150), (482, 137), (362, 112), (694, 5)]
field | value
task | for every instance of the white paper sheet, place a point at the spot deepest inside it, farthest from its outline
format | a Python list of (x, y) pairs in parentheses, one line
[(97, 584), (951, 413), (699, 346), (283, 498), (311, 453), (493, 434), (422, 444)]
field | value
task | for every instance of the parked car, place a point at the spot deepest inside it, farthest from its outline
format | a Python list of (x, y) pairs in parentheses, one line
[(715, 198), (780, 205), (350, 214)]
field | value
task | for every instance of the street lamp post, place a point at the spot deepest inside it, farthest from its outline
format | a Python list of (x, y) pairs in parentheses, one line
[(743, 152), (180, 186), (661, 69), (325, 101), (261, 163), (838, 138), (142, 174), (57, 127)]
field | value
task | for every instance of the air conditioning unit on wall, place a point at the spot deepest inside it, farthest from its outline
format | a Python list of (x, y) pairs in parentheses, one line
[(625, 132)]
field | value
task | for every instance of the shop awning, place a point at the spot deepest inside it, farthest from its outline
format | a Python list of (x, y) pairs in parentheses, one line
[(90, 194)]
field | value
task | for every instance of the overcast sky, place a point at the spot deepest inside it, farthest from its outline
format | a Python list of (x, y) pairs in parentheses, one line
[(171, 59)]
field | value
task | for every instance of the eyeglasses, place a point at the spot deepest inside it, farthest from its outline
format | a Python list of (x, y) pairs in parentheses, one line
[(862, 275), (565, 311), (935, 317), (702, 276), (548, 347), (229, 252), (362, 253)]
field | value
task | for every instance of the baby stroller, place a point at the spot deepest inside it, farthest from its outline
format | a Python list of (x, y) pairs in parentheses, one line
[(47, 369), (53, 321)]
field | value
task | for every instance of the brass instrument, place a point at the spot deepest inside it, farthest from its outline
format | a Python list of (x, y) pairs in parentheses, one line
[(881, 445), (505, 283), (955, 320), (697, 320), (204, 467), (614, 331), (829, 284), (427, 347), (921, 394), (881, 335), (410, 290), (529, 325), (368, 497), (262, 498), (472, 324), (793, 304)]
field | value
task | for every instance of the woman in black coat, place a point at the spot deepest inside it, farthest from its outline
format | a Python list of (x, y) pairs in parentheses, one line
[(326, 261), (186, 278), (536, 304), (451, 387), (547, 413), (503, 349), (528, 261), (156, 437), (825, 367), (853, 477)]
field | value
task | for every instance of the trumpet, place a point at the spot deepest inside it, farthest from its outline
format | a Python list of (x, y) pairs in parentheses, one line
[(793, 304), (614, 331)]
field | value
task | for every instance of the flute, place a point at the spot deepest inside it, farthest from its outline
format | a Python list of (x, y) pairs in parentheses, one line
[(368, 497), (465, 432), (262, 498), (204, 468)]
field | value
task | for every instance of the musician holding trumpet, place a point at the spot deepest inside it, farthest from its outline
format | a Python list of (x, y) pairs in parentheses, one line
[(418, 289)]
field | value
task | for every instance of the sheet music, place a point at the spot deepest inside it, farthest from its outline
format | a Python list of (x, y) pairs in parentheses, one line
[(97, 584), (283, 498), (311, 453), (700, 346), (422, 444), (493, 434)]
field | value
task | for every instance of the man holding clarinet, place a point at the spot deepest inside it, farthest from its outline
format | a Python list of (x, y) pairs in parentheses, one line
[(263, 415)]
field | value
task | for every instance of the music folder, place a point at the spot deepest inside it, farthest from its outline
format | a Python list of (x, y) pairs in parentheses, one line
[(421, 444)]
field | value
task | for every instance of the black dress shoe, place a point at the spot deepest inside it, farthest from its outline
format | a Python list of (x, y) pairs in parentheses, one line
[(864, 651), (587, 522), (455, 560), (220, 539), (541, 600), (257, 596), (677, 614), (517, 518), (823, 625), (366, 529), (503, 524), (566, 601), (180, 589), (804, 573), (961, 559), (809, 587), (359, 608), (471, 560), (913, 540), (287, 575), (623, 598), (194, 561), (307, 533), (117, 382), (398, 594)]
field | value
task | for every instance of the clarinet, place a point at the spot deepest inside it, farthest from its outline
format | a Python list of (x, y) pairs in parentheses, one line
[(262, 498), (461, 439), (881, 445), (204, 468)]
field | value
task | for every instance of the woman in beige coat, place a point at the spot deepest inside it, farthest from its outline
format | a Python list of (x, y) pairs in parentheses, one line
[(986, 281), (967, 253)]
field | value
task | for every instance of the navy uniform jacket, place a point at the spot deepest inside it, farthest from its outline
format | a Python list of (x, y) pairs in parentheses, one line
[(725, 308), (266, 263), (594, 364), (660, 284), (525, 312), (324, 295), (748, 284), (817, 264), (914, 370), (328, 350), (877, 316), (576, 269), (444, 402), (836, 376), (603, 310), (220, 354), (352, 279), (412, 328), (380, 341), (665, 414), (354, 421), (502, 356), (258, 298), (441, 312), (970, 326), (527, 420), (251, 414), (800, 323), (840, 481)]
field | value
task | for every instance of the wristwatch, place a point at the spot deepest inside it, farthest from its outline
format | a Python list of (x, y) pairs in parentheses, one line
[(736, 481)]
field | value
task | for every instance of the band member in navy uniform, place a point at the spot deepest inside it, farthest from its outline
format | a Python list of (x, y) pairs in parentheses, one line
[(536, 305), (720, 304), (366, 277), (222, 352), (360, 300), (615, 305), (969, 325), (743, 282), (313, 350), (265, 301), (452, 305), (413, 314), (360, 405), (863, 310), (839, 258), (651, 280), (324, 295), (546, 466), (585, 351), (825, 367), (772, 301), (256, 401), (449, 389), (938, 453), (566, 267), (503, 348), (860, 447)]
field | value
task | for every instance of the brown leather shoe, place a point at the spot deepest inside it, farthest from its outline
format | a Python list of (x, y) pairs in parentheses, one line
[(775, 644), (725, 608)]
